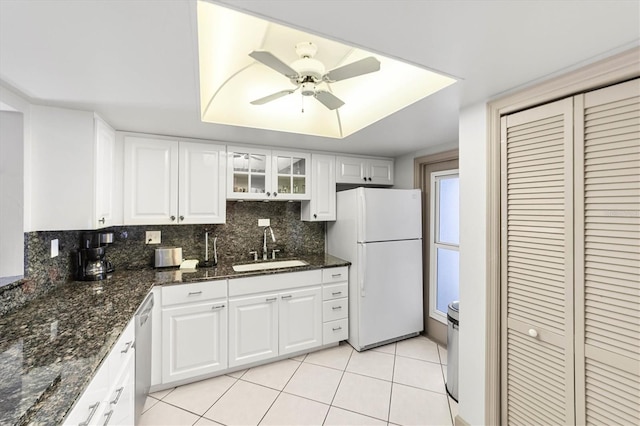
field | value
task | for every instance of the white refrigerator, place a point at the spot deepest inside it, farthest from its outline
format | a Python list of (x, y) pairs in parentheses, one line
[(380, 232)]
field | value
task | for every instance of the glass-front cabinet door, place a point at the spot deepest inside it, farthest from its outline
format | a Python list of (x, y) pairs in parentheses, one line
[(249, 173), (256, 174), (291, 175)]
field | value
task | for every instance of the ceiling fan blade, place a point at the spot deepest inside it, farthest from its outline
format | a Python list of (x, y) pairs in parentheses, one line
[(272, 97), (270, 60), (354, 69), (328, 99)]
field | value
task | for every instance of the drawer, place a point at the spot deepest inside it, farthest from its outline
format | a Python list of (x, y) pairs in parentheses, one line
[(121, 350), (273, 282), (335, 291), (194, 292), (335, 331), (334, 275), (335, 309)]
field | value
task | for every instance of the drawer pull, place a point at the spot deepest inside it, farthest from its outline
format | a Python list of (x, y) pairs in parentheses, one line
[(271, 299), (194, 293), (336, 293), (337, 328), (118, 393), (336, 275), (288, 296), (127, 347), (217, 307), (108, 417), (92, 409), (335, 308)]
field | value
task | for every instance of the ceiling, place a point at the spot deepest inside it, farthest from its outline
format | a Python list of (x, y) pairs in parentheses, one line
[(135, 62)]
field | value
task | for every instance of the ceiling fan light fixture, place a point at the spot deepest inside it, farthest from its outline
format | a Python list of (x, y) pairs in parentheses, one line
[(308, 89), (248, 69)]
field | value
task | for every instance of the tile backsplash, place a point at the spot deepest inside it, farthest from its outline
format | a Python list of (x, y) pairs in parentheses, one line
[(236, 238)]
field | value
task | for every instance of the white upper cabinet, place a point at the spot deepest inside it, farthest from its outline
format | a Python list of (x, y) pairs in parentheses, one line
[(73, 171), (356, 170), (171, 182), (105, 139), (201, 189), (257, 174), (322, 205)]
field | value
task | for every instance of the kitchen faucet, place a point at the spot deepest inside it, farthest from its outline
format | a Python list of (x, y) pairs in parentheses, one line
[(264, 241)]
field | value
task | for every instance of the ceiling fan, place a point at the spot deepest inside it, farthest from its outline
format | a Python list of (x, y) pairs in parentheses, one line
[(307, 73)]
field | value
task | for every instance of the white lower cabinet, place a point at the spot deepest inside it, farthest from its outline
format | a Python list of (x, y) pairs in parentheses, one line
[(110, 397), (253, 329), (300, 320), (194, 330), (272, 324), (211, 327)]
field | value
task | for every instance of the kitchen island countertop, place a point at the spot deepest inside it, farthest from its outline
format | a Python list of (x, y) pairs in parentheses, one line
[(51, 346)]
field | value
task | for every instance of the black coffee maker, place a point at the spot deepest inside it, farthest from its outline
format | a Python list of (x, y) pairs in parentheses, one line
[(91, 263)]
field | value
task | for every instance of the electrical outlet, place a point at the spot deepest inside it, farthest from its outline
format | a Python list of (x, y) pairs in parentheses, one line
[(54, 248), (152, 237), (264, 222)]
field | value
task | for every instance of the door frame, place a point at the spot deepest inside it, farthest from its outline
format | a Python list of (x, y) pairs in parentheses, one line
[(615, 69), (422, 168)]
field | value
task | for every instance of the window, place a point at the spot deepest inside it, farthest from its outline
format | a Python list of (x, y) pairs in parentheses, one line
[(444, 244)]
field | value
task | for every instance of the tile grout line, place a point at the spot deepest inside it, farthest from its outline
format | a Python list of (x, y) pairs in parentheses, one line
[(344, 370), (393, 375), (280, 391), (220, 397)]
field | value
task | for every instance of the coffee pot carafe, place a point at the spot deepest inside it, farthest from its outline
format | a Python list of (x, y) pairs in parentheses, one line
[(91, 263)]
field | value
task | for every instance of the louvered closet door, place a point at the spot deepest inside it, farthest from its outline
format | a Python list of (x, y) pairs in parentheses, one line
[(608, 255), (537, 266)]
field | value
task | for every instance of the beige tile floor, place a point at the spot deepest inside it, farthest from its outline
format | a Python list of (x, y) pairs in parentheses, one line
[(398, 384)]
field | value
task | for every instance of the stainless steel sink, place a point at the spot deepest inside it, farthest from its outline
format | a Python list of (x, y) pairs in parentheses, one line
[(248, 267)]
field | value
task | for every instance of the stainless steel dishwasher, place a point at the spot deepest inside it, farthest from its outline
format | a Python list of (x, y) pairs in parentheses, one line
[(143, 353)]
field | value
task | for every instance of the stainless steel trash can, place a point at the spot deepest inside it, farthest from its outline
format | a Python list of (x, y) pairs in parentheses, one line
[(453, 326)]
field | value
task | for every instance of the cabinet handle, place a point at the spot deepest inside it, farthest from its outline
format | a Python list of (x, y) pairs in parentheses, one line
[(172, 217), (268, 194), (101, 220), (315, 216), (336, 275), (288, 296), (271, 299), (335, 308), (194, 293), (533, 332), (93, 409), (108, 417), (275, 194), (127, 347), (181, 217), (217, 307), (337, 328), (336, 293), (369, 179), (117, 398)]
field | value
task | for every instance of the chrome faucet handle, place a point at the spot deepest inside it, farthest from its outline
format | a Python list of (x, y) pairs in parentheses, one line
[(255, 255), (273, 253)]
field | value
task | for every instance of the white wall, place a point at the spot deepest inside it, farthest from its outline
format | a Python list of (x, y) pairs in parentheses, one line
[(473, 260), (403, 167)]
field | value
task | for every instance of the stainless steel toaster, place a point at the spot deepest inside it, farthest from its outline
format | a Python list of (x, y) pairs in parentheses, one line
[(168, 256)]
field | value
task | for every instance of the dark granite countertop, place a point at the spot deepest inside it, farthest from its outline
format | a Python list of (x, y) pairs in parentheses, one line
[(51, 346)]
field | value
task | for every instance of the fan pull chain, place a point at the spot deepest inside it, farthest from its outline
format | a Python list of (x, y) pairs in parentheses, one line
[(302, 103)]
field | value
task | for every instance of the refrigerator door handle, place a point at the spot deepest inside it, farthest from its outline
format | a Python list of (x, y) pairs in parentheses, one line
[(362, 216), (362, 267)]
